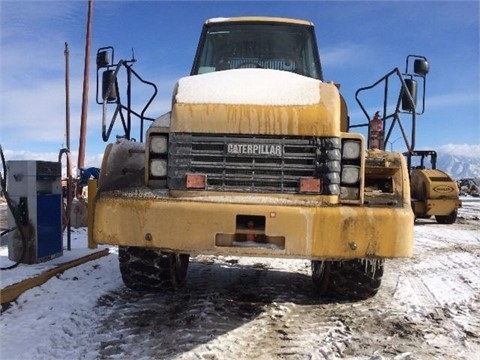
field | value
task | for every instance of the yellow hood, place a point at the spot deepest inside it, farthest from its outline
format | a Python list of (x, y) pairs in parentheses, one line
[(255, 101)]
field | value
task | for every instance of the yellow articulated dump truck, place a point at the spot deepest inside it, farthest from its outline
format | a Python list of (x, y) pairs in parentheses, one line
[(255, 159)]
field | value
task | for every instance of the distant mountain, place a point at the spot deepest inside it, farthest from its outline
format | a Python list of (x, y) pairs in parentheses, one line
[(457, 166)]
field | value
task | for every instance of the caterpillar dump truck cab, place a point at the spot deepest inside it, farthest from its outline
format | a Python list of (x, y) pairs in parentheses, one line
[(434, 192), (254, 159)]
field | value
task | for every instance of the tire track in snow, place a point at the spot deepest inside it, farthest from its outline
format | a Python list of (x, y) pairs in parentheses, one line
[(242, 312)]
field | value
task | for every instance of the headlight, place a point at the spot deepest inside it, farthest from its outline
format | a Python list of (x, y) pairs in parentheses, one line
[(158, 167), (350, 174), (158, 144), (349, 193), (351, 149)]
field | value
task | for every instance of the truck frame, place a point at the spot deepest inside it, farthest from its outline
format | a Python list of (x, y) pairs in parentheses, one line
[(255, 158)]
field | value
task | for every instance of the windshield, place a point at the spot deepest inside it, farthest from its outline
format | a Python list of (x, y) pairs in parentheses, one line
[(278, 46)]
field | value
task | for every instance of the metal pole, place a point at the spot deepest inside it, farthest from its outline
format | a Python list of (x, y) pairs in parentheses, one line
[(67, 130), (83, 123), (67, 95)]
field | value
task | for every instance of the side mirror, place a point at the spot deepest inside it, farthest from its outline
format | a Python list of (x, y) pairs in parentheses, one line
[(421, 67), (103, 59), (411, 87), (109, 83)]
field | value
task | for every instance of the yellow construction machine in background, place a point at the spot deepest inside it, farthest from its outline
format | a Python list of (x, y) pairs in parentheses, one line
[(433, 191)]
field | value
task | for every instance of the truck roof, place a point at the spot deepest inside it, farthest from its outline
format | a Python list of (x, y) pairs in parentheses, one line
[(258, 19)]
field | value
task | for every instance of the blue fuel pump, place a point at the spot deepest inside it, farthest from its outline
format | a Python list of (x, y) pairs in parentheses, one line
[(35, 190)]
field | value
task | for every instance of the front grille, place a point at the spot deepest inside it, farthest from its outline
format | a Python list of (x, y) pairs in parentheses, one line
[(254, 164)]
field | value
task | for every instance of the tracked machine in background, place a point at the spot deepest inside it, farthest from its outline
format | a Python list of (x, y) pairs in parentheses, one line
[(255, 158)]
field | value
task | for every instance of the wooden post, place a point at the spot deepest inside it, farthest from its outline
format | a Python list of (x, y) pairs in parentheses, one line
[(92, 192)]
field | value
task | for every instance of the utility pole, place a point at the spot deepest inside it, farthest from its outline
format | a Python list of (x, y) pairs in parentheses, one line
[(393, 142), (67, 135), (83, 122), (67, 96)]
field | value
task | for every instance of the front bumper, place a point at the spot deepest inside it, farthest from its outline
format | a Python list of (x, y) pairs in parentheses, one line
[(289, 229)]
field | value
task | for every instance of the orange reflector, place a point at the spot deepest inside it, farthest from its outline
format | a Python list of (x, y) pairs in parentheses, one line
[(195, 181), (310, 185)]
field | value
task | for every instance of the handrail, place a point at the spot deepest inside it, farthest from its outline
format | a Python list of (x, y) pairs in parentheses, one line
[(119, 106), (395, 116)]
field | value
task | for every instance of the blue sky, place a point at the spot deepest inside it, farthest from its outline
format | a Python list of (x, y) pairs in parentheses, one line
[(359, 42)]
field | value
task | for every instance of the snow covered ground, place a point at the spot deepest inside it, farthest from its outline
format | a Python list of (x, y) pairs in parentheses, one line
[(256, 308)]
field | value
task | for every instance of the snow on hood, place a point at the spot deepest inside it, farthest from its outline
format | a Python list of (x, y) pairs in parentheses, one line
[(248, 87)]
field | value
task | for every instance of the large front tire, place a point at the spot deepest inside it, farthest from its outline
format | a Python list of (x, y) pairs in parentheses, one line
[(357, 279), (152, 269)]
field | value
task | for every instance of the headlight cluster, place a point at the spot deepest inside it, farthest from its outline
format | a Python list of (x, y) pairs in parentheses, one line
[(351, 169), (158, 150)]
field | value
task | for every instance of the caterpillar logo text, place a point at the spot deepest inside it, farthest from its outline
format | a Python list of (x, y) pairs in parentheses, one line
[(255, 149)]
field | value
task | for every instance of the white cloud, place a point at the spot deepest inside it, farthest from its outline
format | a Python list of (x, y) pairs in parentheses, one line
[(33, 36), (37, 113), (32, 106), (341, 55), (450, 99), (94, 160), (466, 150), (28, 155)]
